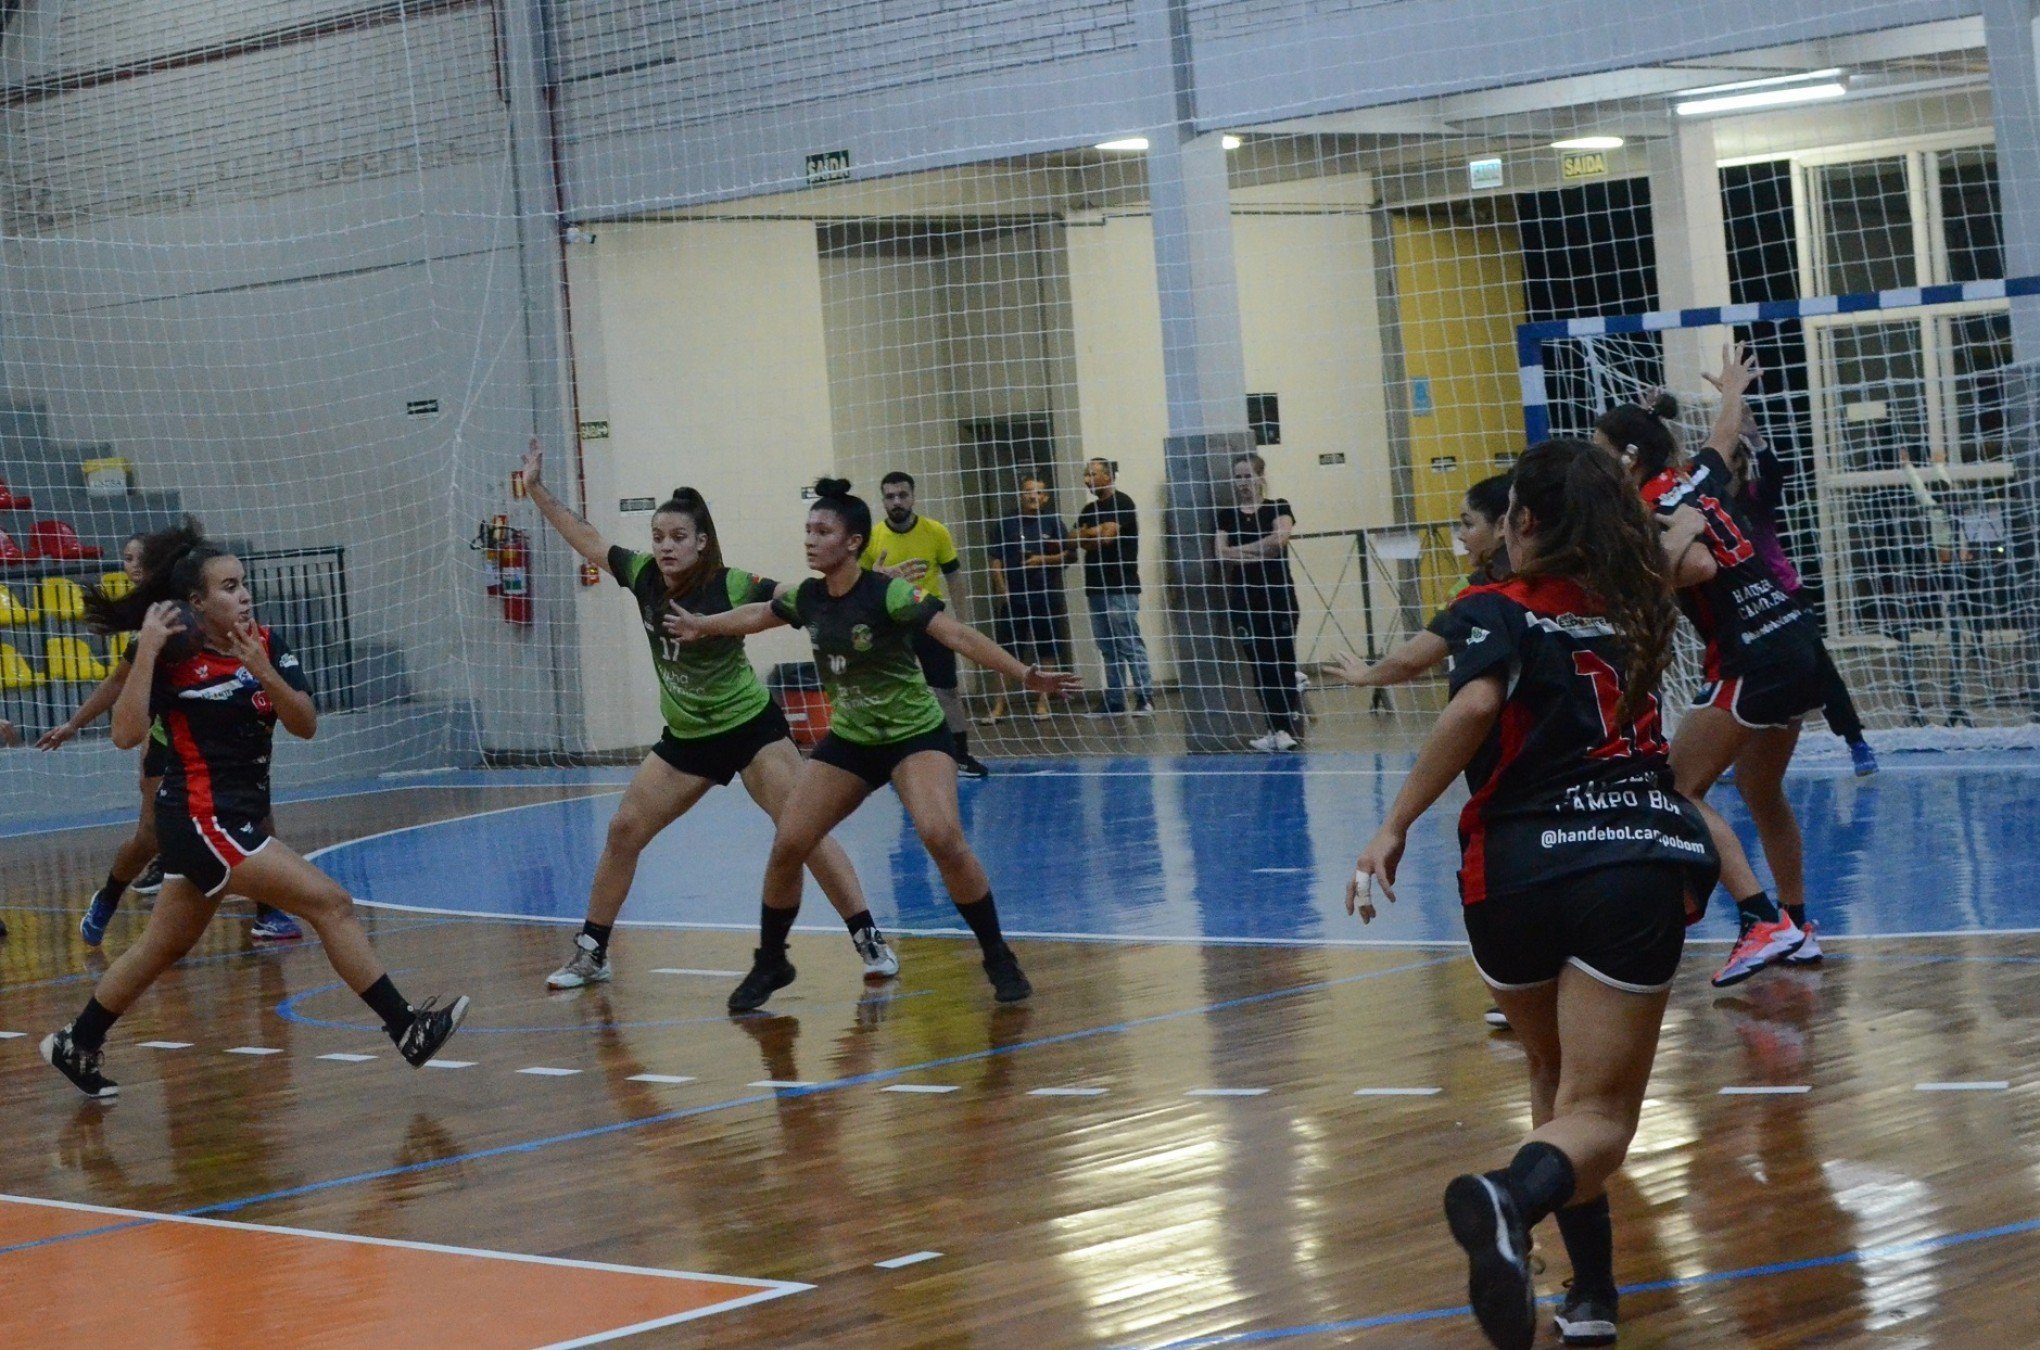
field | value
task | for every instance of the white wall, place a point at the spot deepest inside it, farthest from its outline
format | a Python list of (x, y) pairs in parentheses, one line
[(712, 375)]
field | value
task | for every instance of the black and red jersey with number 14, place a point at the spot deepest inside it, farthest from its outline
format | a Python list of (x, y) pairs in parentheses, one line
[(1561, 785), (221, 725), (1747, 620)]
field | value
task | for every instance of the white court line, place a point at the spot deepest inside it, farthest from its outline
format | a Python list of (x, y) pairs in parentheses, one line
[(1765, 1091), (12, 1035), (1068, 1092), (683, 970), (604, 790), (451, 1063), (920, 1087), (658, 1078), (166, 1045), (911, 1259), (542, 1071), (1992, 1085), (781, 1083), (254, 1050), (347, 1059), (766, 1289), (1398, 1092), (1227, 1092)]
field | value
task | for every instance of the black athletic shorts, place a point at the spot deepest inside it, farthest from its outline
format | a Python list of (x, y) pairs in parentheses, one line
[(938, 663), (155, 758), (875, 763), (723, 756), (1766, 699), (1624, 925), (203, 850)]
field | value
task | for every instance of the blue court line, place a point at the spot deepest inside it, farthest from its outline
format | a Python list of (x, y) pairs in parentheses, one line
[(1851, 1257), (281, 949), (663, 1117), (287, 1010), (100, 1231)]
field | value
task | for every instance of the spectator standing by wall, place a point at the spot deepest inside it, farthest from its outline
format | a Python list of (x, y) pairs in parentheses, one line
[(1253, 545), (1029, 551), (1108, 532)]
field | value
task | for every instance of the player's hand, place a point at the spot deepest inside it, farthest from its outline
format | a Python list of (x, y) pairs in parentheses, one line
[(163, 622), (1055, 682), (55, 736), (684, 624), (244, 644), (8, 735), (1349, 667), (1738, 370), (534, 465), (913, 569), (1376, 867)]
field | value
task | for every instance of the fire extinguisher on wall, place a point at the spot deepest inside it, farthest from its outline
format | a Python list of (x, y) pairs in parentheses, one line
[(515, 554)]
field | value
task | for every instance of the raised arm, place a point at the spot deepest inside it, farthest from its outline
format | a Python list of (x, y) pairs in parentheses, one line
[(1738, 373), (131, 707), (584, 538), (96, 703), (966, 641), (1407, 662), (1451, 746)]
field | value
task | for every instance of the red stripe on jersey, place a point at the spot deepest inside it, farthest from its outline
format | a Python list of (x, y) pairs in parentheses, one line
[(198, 798), (1545, 596), (1515, 730)]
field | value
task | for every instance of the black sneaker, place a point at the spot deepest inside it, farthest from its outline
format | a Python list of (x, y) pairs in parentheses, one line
[(151, 879), (769, 971), (1009, 983), (1587, 1318), (80, 1066), (970, 766), (1484, 1221), (431, 1027)]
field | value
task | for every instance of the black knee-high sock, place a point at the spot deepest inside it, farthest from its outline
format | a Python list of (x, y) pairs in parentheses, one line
[(1540, 1178), (114, 888), (983, 918), (860, 921), (1758, 908), (773, 926), (89, 1028), (600, 932), (1590, 1243), (385, 1002)]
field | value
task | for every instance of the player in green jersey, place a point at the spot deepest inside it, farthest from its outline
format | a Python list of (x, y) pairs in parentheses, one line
[(886, 727), (721, 723)]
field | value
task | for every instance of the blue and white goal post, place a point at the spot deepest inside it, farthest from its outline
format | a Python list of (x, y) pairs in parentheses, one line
[(1913, 501)]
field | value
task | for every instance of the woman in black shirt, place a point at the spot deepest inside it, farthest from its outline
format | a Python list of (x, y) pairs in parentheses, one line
[(1253, 544)]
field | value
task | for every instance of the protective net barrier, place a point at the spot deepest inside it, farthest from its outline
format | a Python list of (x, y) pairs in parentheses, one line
[(316, 273)]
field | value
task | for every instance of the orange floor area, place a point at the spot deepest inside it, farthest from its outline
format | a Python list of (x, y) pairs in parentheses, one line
[(157, 1281)]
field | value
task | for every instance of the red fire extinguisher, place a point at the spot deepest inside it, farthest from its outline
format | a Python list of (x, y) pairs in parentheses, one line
[(494, 534), (515, 556)]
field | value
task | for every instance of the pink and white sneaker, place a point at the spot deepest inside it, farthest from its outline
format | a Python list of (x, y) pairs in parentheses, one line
[(1809, 951), (1760, 945)]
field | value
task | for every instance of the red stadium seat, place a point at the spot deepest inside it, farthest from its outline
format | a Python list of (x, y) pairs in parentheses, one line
[(55, 539), (10, 552), (11, 501)]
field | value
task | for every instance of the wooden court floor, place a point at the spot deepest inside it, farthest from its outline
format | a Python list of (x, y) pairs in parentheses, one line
[(1172, 1144)]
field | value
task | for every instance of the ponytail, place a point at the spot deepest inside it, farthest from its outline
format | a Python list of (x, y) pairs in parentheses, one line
[(1593, 529), (173, 565)]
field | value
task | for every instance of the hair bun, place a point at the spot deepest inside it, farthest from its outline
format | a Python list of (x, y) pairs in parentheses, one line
[(1664, 407), (832, 487), (687, 496)]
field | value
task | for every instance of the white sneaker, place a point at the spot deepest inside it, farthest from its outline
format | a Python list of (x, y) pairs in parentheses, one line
[(879, 961), (1809, 950), (586, 967), (1274, 743)]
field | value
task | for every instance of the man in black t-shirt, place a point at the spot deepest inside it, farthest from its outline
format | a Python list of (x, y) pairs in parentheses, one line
[(1108, 531)]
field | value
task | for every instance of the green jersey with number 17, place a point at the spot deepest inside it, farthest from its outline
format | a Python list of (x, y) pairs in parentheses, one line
[(705, 687)]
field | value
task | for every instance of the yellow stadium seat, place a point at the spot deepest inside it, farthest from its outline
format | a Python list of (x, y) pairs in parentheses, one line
[(70, 658), (60, 598), (117, 645), (15, 671), (114, 585), (12, 611)]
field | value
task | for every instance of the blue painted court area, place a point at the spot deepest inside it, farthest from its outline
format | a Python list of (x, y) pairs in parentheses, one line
[(1214, 850)]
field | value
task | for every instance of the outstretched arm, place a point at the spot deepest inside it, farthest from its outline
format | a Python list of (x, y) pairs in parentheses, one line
[(96, 703), (584, 538), (742, 621), (1407, 662), (966, 641)]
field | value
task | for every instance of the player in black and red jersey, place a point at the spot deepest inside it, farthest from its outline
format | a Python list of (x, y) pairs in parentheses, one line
[(1762, 665), (221, 682), (1581, 864)]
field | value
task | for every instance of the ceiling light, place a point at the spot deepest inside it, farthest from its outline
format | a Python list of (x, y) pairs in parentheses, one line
[(1829, 75), (1761, 98), (1138, 143), (1590, 143)]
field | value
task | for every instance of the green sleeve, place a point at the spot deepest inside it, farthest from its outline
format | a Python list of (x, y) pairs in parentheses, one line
[(908, 605)]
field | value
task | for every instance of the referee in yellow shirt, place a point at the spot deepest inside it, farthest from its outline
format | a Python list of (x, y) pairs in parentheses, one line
[(922, 551)]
